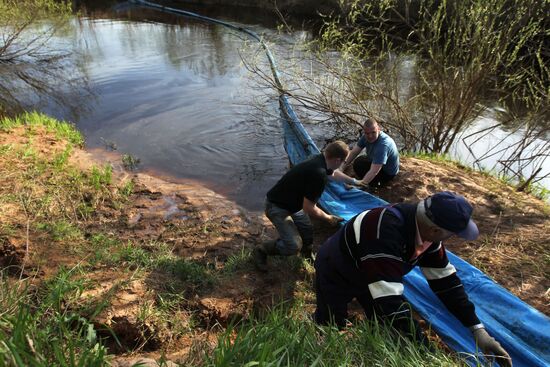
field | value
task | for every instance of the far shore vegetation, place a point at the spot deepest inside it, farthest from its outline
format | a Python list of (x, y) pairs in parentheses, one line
[(428, 70)]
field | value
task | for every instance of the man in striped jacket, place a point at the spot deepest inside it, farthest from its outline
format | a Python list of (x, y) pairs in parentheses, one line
[(368, 257)]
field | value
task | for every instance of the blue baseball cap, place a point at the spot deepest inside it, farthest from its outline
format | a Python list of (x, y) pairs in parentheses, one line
[(453, 213)]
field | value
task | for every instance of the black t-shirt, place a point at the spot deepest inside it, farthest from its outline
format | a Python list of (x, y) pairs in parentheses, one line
[(305, 180)]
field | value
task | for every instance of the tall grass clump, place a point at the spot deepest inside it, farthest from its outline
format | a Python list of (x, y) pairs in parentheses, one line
[(100, 178), (238, 261), (41, 328), (280, 340)]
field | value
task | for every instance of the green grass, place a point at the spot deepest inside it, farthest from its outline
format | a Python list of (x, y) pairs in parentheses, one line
[(194, 274), (101, 177), (97, 248), (61, 159), (285, 338), (293, 263), (62, 130), (41, 328), (7, 229), (429, 156), (126, 189), (48, 324), (5, 148), (61, 230), (238, 261), (130, 162), (168, 305), (152, 256), (538, 191), (71, 193), (45, 328), (133, 254)]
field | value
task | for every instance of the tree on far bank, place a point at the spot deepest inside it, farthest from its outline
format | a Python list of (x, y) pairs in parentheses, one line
[(31, 67), (428, 69)]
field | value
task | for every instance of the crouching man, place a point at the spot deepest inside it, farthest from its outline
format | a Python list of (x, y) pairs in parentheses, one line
[(368, 257), (293, 200)]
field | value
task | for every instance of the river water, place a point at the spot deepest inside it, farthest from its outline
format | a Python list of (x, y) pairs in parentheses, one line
[(173, 92)]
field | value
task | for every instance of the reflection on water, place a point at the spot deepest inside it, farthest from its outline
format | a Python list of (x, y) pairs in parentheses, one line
[(488, 143), (177, 98), (488, 147)]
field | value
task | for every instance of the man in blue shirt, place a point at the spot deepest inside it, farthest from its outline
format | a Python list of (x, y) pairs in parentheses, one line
[(380, 164)]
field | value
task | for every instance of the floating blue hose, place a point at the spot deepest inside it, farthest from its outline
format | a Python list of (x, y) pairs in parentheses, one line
[(522, 330)]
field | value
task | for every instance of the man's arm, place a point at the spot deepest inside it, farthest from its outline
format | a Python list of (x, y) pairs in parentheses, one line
[(378, 157), (311, 209), (386, 289), (446, 284), (340, 176), (351, 156), (378, 253), (371, 174)]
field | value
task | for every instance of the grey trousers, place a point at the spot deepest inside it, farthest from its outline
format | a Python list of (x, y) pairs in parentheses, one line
[(295, 229)]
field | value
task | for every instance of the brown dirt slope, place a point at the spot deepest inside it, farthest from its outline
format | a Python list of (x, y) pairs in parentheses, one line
[(167, 264), (170, 263)]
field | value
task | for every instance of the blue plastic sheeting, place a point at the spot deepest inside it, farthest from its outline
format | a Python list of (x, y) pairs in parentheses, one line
[(522, 330)]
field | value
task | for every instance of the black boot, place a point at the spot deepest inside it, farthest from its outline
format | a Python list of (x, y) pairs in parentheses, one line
[(307, 252), (260, 253)]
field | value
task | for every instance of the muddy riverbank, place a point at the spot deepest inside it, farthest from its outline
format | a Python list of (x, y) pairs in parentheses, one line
[(168, 264)]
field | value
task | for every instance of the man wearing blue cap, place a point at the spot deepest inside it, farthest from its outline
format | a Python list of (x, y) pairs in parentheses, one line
[(368, 257)]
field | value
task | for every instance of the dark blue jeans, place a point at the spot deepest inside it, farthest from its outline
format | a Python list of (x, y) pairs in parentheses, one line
[(333, 290), (361, 165), (295, 229)]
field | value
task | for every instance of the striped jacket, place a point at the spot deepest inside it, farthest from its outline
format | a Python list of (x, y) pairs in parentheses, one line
[(376, 249)]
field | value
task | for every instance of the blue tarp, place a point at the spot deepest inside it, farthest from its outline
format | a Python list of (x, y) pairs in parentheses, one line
[(522, 330)]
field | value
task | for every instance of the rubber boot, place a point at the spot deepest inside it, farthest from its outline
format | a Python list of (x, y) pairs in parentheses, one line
[(261, 252)]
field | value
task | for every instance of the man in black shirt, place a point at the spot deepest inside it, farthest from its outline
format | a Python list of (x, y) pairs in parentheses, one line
[(293, 199), (368, 257)]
